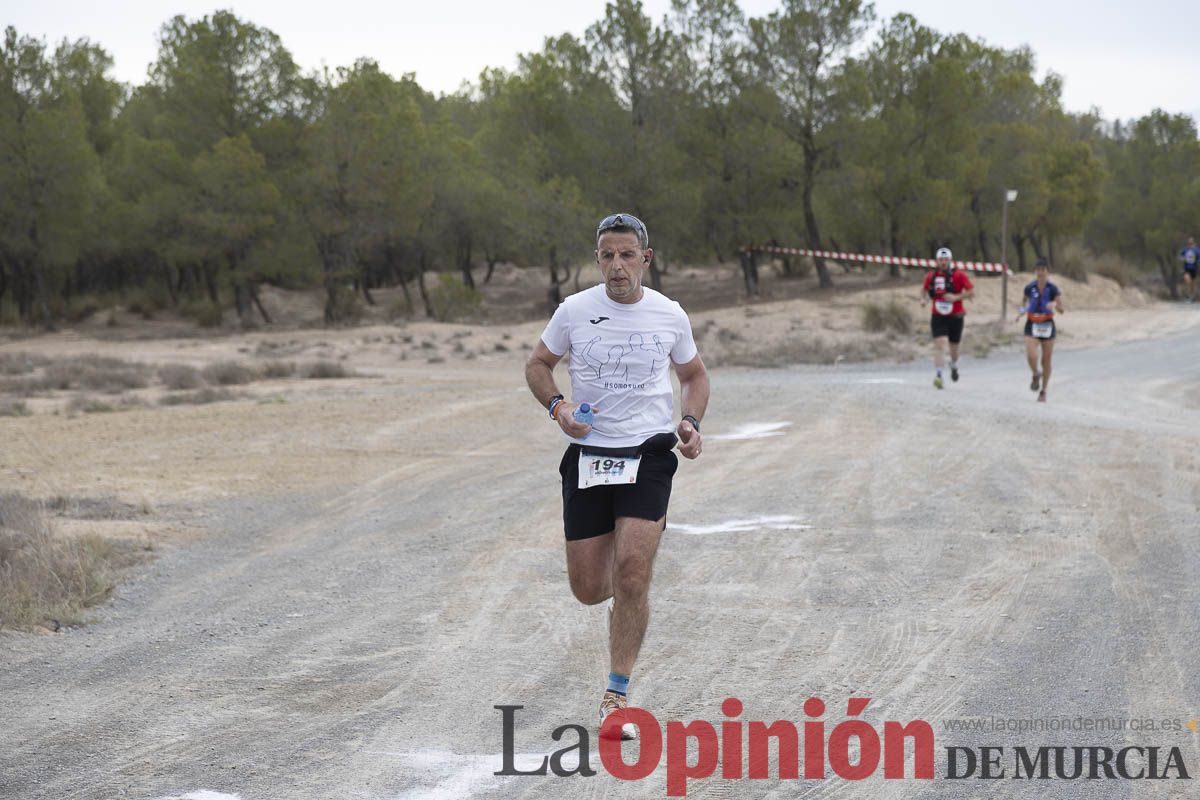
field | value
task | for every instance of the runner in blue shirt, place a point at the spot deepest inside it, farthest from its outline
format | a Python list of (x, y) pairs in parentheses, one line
[(1190, 256), (1042, 300)]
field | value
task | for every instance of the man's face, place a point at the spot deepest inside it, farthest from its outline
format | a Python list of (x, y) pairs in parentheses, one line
[(622, 262), (1042, 273), (943, 263)]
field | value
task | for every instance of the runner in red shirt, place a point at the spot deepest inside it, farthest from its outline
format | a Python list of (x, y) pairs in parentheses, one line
[(947, 287)]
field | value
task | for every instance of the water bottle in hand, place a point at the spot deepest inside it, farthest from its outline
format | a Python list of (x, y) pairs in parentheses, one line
[(585, 415)]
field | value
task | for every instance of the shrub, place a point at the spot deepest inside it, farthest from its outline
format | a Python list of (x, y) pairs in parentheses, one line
[(278, 369), (47, 578), (452, 299), (1115, 268), (180, 376), (14, 408), (204, 314), (20, 363), (321, 370), (200, 397), (890, 316), (228, 373)]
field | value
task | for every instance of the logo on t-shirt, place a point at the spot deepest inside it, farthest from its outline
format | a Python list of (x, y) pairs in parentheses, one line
[(597, 320)]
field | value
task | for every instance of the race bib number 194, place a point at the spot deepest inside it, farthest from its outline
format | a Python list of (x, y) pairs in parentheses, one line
[(598, 470)]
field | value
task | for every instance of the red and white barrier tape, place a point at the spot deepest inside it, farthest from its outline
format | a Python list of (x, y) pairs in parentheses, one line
[(974, 266)]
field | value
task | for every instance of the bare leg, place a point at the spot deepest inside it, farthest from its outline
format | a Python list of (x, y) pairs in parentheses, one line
[(1031, 354), (1047, 351), (954, 351), (636, 545), (590, 568), (939, 351)]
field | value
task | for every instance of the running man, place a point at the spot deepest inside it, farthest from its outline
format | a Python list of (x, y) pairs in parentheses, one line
[(947, 287), (616, 473), (1042, 300), (1190, 256)]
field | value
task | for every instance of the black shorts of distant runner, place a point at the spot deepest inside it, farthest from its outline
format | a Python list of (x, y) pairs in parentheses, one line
[(948, 326), (1029, 329)]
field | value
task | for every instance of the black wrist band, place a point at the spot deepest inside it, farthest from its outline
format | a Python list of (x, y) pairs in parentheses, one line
[(695, 422), (556, 398)]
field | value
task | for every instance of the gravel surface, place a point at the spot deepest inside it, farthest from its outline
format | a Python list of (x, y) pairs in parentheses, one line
[(956, 554)]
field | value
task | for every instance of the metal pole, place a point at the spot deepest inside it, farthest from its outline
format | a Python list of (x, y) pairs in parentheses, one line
[(1004, 259)]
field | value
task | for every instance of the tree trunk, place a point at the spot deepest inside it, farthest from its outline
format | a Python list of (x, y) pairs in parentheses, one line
[(981, 233), (464, 261), (810, 216), (1019, 245), (1037, 244), (750, 272), (655, 275), (253, 289), (1170, 275), (408, 303), (554, 295), (894, 239), (210, 280), (169, 282), (39, 276), (429, 310)]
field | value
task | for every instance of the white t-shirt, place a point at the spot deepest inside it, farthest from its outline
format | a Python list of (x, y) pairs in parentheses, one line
[(619, 361)]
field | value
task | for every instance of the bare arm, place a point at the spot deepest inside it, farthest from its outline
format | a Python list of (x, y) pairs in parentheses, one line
[(693, 393), (539, 374)]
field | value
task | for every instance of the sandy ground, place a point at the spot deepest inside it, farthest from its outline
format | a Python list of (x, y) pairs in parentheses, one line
[(352, 573)]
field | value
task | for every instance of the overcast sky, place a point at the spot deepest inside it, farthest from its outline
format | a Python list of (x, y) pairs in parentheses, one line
[(1124, 58)]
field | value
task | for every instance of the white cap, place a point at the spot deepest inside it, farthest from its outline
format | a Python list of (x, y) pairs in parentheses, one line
[(944, 252)]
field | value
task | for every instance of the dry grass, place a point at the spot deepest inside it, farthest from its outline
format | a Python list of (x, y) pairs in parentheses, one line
[(47, 579), (321, 370), (13, 408), (177, 377), (810, 349), (229, 373), (199, 397), (890, 316), (82, 373), (84, 404), (278, 369), (20, 363)]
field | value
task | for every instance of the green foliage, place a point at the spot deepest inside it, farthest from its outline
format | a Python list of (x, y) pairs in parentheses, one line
[(229, 169), (890, 316), (453, 300)]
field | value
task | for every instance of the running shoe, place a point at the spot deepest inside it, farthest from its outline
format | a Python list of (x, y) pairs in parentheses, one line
[(1036, 383), (938, 382), (1042, 396), (614, 702), (954, 373)]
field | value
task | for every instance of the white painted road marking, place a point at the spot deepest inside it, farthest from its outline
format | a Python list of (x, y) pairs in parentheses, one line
[(753, 430), (776, 523)]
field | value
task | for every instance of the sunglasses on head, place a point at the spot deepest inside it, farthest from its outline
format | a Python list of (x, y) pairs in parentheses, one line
[(623, 221)]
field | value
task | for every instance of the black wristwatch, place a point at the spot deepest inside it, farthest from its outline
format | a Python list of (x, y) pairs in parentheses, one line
[(695, 422)]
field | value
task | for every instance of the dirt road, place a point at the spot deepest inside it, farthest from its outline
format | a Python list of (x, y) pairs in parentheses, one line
[(848, 532)]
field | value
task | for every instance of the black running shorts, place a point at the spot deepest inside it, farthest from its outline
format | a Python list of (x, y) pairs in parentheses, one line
[(594, 511), (1029, 331), (951, 327)]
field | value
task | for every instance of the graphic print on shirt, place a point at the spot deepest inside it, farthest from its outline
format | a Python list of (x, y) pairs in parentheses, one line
[(614, 371)]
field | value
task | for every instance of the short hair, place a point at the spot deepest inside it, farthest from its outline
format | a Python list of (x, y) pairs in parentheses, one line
[(624, 223)]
